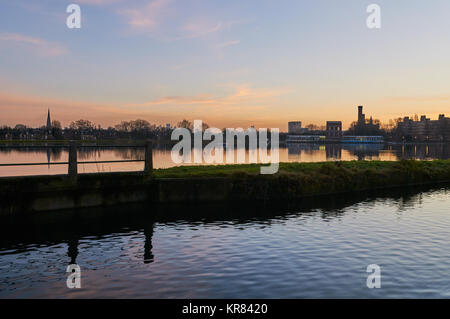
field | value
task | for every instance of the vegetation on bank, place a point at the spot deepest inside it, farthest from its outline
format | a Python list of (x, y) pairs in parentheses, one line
[(239, 182), (304, 179), (318, 168)]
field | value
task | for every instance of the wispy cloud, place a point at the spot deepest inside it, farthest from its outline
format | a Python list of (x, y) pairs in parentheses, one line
[(145, 18), (163, 20), (241, 95), (228, 110), (222, 111), (419, 98), (98, 2), (227, 44), (180, 100), (40, 46), (197, 29)]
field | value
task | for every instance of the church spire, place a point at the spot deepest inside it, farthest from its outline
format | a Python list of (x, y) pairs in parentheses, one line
[(49, 122)]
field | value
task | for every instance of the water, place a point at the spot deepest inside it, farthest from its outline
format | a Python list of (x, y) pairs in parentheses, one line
[(162, 158), (315, 248)]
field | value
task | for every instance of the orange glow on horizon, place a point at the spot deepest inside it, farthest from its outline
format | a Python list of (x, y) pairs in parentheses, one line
[(241, 109)]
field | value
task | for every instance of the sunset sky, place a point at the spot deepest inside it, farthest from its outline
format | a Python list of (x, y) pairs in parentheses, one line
[(232, 63)]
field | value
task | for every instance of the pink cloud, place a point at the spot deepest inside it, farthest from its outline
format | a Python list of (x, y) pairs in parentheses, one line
[(242, 95), (228, 43), (195, 30), (40, 46), (164, 22), (97, 2), (147, 17)]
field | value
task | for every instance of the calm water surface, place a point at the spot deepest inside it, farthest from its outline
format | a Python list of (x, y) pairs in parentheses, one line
[(162, 158), (307, 250)]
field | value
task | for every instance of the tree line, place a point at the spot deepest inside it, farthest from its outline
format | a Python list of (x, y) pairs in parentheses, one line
[(86, 129)]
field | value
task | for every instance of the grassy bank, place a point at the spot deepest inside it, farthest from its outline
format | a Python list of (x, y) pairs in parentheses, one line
[(299, 179), (321, 168), (197, 184)]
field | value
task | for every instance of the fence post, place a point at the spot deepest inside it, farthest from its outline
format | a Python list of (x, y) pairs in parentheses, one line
[(148, 168), (73, 168)]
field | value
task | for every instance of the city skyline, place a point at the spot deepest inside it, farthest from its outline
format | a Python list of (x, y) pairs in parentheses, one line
[(228, 64), (294, 126)]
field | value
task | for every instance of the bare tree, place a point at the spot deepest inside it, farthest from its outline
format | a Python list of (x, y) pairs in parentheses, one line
[(56, 125), (82, 125), (185, 124)]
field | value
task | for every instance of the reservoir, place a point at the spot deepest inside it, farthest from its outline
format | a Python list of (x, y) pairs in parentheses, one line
[(316, 248), (162, 158)]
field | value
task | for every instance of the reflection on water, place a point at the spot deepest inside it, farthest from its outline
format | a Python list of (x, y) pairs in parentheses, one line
[(162, 158), (313, 248), (323, 152)]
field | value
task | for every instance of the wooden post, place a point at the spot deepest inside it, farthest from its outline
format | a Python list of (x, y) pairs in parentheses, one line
[(148, 168), (73, 165)]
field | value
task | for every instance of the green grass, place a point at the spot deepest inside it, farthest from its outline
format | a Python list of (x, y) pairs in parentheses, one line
[(322, 168), (244, 182), (304, 179)]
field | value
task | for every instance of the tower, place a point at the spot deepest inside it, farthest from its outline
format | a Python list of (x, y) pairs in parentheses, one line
[(49, 122), (361, 116)]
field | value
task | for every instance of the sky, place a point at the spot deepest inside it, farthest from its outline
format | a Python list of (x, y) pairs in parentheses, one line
[(233, 63)]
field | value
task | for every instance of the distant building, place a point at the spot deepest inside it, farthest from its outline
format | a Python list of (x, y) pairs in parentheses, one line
[(49, 122), (425, 129), (305, 139), (364, 127), (334, 129), (295, 127), (361, 116)]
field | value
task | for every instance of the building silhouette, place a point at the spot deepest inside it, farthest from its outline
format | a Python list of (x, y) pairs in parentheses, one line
[(425, 129), (334, 129), (49, 122), (295, 127), (361, 116), (364, 127)]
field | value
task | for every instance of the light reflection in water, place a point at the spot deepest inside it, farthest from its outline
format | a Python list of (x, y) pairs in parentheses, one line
[(162, 158), (315, 248)]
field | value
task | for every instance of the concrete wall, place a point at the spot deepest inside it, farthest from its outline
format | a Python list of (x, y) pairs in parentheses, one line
[(27, 195), (44, 193)]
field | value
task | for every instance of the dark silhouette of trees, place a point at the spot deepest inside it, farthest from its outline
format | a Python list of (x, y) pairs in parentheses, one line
[(82, 125), (369, 128), (186, 124)]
